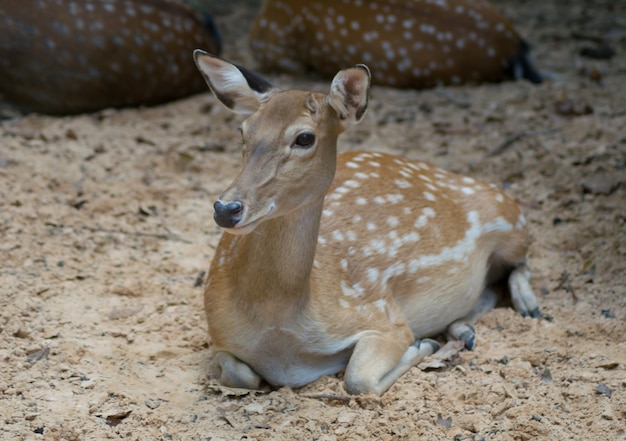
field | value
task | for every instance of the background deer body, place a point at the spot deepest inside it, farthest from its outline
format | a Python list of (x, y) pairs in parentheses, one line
[(65, 57), (314, 275), (407, 43)]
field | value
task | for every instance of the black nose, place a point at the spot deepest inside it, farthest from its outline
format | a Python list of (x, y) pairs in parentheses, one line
[(227, 215)]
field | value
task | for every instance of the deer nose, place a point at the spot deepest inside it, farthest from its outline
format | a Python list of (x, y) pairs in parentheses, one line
[(228, 215)]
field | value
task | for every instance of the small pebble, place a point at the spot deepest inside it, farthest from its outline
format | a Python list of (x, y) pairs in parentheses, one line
[(604, 390), (152, 404), (608, 313)]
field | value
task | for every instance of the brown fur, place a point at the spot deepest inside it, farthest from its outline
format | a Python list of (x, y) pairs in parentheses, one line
[(407, 43)]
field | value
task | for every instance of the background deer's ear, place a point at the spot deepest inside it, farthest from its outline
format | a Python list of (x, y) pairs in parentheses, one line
[(237, 88), (349, 94)]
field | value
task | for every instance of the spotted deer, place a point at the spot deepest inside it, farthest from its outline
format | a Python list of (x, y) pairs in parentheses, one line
[(64, 57), (350, 261), (408, 43)]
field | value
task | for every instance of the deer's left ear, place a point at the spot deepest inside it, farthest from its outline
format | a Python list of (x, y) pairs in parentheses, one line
[(349, 94), (237, 88)]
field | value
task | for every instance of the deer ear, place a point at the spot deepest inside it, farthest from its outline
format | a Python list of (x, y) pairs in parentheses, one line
[(237, 88), (349, 94)]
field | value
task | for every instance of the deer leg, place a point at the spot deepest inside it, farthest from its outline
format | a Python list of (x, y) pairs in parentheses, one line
[(462, 328), (232, 372), (522, 295), (378, 361)]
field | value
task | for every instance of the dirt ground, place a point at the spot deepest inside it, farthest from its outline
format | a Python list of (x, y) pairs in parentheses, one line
[(107, 231)]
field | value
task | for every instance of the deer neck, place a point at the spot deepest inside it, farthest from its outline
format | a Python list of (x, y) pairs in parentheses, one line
[(274, 261)]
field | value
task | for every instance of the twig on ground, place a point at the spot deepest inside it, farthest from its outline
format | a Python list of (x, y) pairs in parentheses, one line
[(225, 417), (170, 236), (333, 397), (454, 99), (564, 284), (513, 138)]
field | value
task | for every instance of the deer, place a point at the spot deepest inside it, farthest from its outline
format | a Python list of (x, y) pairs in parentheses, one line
[(67, 57), (407, 43), (345, 262)]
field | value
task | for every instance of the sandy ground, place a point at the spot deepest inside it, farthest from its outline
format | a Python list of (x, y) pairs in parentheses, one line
[(107, 231)]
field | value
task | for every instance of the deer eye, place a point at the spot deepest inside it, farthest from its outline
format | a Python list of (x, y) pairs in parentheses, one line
[(304, 140)]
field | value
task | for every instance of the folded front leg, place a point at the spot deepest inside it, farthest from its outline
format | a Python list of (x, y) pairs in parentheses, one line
[(232, 372), (379, 360)]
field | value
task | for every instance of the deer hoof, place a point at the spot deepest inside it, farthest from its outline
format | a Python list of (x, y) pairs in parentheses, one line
[(468, 337)]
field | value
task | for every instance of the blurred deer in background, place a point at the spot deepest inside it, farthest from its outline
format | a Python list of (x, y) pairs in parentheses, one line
[(408, 43), (345, 262), (64, 57)]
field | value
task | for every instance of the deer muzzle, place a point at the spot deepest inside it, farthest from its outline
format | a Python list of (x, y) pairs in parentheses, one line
[(227, 215)]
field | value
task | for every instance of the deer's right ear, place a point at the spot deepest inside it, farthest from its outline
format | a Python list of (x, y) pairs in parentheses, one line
[(237, 88)]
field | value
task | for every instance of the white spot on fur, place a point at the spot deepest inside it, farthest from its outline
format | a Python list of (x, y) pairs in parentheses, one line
[(421, 221), (372, 274), (378, 246), (381, 305), (401, 183), (429, 196), (392, 221), (396, 269), (337, 235), (351, 291), (413, 236), (394, 198)]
